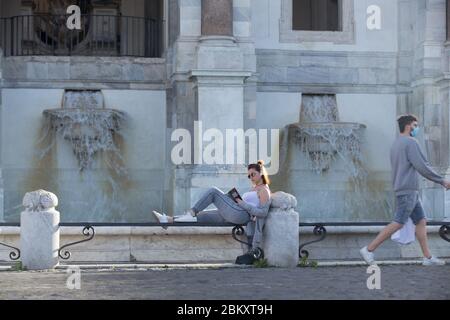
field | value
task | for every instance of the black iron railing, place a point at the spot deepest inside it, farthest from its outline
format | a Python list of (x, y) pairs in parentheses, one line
[(319, 230), (100, 35), (13, 255)]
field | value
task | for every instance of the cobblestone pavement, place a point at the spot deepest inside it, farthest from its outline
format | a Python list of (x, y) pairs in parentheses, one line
[(344, 282)]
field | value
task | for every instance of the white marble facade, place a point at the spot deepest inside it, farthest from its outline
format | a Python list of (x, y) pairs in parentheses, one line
[(258, 74)]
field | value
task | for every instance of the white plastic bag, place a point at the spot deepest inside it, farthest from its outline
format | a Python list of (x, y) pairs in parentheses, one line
[(406, 234)]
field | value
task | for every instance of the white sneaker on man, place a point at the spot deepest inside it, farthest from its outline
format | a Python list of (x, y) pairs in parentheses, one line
[(367, 256), (433, 261), (162, 218), (186, 217)]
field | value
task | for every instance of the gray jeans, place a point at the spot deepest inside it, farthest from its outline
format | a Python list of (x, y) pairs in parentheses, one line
[(227, 211)]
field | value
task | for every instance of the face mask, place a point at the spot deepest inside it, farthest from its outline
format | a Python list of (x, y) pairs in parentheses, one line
[(415, 132)]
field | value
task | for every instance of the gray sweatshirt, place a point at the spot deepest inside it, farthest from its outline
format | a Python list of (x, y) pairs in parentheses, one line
[(407, 160)]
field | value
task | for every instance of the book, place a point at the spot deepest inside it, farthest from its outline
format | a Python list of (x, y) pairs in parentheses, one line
[(234, 194)]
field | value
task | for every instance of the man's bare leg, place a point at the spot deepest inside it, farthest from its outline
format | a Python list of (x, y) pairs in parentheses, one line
[(421, 234), (384, 234)]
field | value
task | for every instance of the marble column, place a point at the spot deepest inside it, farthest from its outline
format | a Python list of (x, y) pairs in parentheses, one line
[(219, 85), (219, 75), (184, 28), (218, 69)]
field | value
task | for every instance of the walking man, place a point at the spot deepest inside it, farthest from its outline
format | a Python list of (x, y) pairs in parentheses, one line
[(407, 160)]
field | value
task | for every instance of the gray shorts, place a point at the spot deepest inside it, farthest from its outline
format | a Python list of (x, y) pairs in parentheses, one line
[(408, 205)]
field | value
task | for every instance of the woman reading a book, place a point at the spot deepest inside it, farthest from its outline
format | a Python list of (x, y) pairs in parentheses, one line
[(251, 209)]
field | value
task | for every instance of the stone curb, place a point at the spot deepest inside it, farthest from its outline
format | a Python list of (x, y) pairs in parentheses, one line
[(207, 266)]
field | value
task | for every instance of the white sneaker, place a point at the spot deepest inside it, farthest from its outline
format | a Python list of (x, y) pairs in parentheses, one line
[(162, 218), (186, 217), (367, 256), (433, 261)]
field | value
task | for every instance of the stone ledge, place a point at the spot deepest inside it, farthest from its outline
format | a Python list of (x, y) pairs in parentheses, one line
[(213, 244), (86, 59), (152, 266), (91, 84), (117, 69), (141, 267)]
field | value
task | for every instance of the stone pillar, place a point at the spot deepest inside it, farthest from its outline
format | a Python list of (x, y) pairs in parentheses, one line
[(219, 80), (281, 232), (217, 17), (219, 75), (39, 231), (217, 63)]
